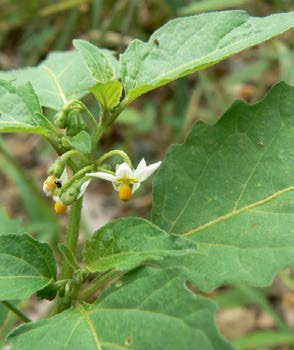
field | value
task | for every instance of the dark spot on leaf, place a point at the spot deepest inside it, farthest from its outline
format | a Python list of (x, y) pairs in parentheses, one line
[(254, 226), (156, 42), (128, 341), (260, 144)]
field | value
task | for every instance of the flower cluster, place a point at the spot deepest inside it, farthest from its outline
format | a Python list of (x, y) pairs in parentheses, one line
[(125, 180)]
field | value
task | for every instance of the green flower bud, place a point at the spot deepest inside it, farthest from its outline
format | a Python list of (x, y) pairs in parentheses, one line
[(70, 194), (60, 119), (73, 127), (57, 168), (49, 292)]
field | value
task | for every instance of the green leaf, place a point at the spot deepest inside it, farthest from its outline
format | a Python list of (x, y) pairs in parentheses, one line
[(125, 243), (229, 188), (18, 108), (147, 310), (108, 94), (68, 256), (103, 67), (81, 142), (26, 266), (96, 60), (62, 77), (186, 45)]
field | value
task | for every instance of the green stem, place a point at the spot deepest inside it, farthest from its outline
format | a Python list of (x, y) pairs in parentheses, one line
[(71, 243), (94, 121), (96, 136), (66, 156), (115, 152), (76, 176), (72, 236), (16, 311), (98, 283)]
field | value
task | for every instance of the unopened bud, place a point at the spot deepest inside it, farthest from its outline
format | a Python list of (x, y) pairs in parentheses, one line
[(60, 119)]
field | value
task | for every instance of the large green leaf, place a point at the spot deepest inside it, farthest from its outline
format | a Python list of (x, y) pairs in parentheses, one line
[(62, 77), (125, 243), (26, 266), (18, 108), (188, 44), (146, 310), (229, 188)]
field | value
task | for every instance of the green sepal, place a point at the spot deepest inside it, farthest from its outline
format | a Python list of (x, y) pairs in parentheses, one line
[(60, 119), (49, 292)]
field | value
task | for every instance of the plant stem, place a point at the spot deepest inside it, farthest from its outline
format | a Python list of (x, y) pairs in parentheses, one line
[(97, 283), (97, 135), (72, 235), (16, 311), (115, 152)]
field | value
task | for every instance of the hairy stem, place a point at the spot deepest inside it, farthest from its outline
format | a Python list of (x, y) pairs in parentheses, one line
[(16, 311), (72, 235), (98, 283)]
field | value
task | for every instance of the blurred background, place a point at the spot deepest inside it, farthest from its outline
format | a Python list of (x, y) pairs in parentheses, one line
[(29, 30)]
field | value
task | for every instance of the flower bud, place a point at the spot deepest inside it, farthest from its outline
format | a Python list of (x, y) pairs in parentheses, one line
[(60, 119), (57, 168), (49, 185), (60, 208)]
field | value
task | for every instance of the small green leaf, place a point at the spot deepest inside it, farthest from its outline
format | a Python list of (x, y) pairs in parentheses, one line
[(125, 243), (186, 45), (18, 108), (97, 61), (148, 309), (81, 142), (229, 188), (62, 77), (108, 94), (103, 67), (26, 266)]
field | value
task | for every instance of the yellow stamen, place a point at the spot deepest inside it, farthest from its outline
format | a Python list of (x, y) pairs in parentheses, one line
[(50, 183), (125, 193), (60, 208)]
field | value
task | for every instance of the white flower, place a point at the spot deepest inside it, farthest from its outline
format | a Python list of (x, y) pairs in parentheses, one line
[(52, 183), (126, 181)]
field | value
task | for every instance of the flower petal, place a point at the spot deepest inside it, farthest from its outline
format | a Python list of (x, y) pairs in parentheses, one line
[(56, 199), (116, 186), (124, 171), (63, 178), (135, 187), (141, 166), (83, 188), (145, 173), (102, 175), (45, 189)]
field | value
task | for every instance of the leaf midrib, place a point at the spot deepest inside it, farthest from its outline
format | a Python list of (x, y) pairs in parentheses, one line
[(237, 212)]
